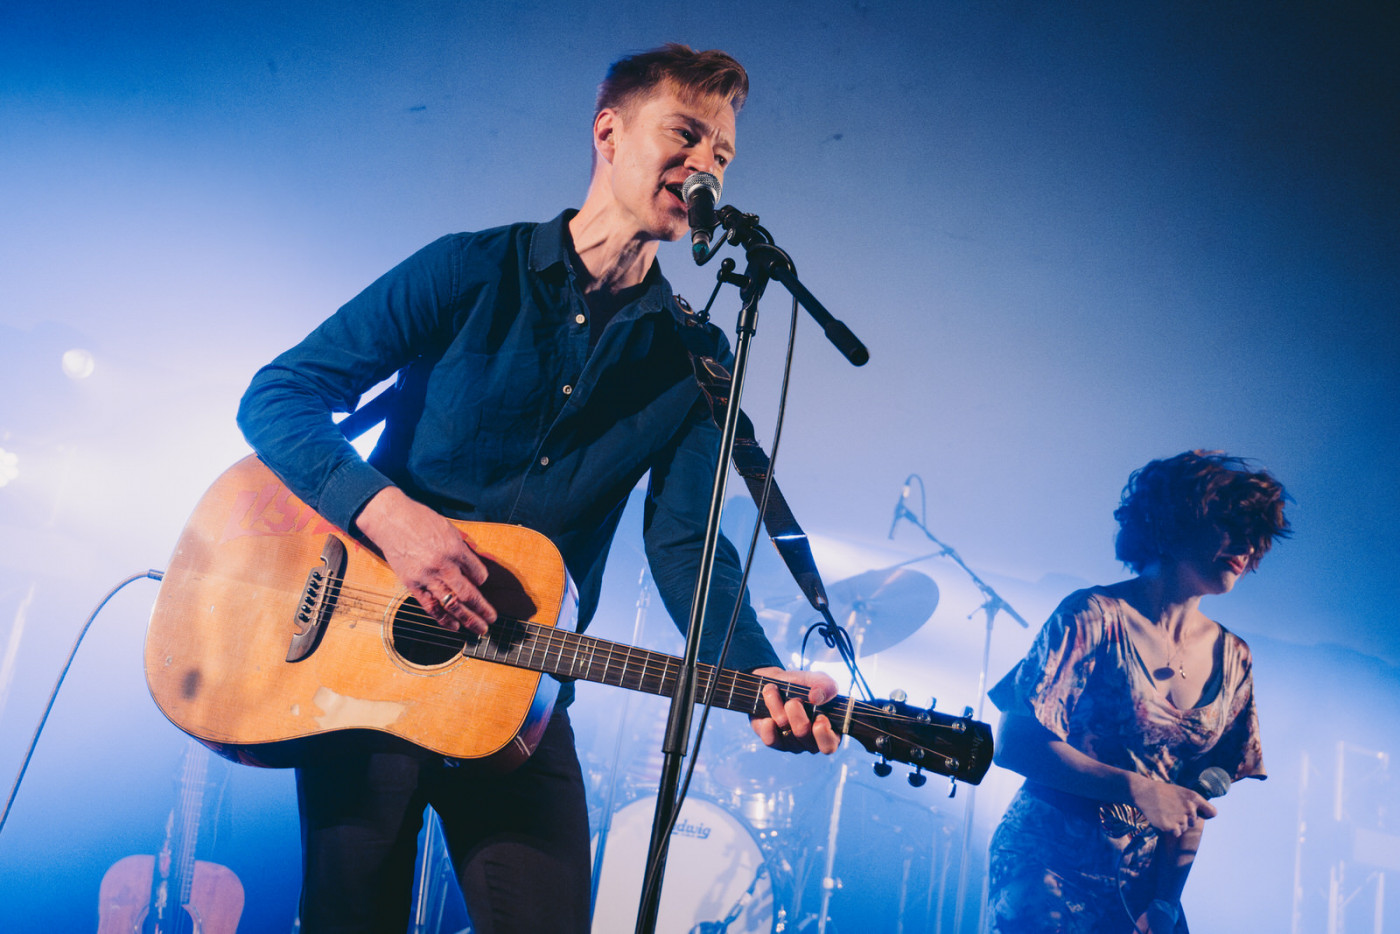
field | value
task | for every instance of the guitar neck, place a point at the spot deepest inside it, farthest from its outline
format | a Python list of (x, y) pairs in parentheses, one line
[(955, 746), (524, 644), (191, 805)]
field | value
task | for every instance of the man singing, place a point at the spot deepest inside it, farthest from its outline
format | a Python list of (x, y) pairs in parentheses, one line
[(542, 373)]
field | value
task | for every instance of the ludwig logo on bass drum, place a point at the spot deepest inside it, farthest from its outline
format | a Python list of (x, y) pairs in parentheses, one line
[(685, 828)]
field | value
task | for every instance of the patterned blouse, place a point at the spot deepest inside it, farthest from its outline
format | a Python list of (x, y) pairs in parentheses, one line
[(1054, 866)]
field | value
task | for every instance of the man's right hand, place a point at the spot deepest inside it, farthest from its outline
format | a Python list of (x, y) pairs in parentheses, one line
[(431, 557)]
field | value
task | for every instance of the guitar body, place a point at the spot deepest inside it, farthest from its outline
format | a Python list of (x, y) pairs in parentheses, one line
[(274, 631), (214, 907), (240, 598)]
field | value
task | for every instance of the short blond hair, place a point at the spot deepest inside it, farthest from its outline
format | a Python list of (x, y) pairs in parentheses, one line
[(693, 75)]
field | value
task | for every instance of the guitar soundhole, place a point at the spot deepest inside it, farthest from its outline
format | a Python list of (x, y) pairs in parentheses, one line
[(420, 641)]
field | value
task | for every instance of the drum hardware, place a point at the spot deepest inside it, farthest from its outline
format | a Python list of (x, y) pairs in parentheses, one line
[(829, 880), (877, 608), (611, 782), (720, 878)]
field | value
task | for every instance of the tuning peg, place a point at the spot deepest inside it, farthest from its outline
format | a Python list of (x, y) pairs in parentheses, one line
[(967, 712), (917, 777), (883, 768), (952, 787), (932, 703), (899, 696)]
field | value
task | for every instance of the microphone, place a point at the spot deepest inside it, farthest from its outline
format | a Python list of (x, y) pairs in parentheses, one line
[(1122, 820), (700, 192), (1212, 783), (899, 509)]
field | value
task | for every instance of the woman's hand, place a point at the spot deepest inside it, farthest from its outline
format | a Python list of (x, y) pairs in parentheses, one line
[(1170, 808)]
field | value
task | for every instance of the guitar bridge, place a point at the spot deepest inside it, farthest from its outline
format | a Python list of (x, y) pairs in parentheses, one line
[(318, 599)]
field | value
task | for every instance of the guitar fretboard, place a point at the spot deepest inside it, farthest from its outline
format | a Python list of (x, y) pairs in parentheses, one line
[(524, 644)]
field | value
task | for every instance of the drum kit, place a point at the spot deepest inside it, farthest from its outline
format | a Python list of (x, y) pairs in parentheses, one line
[(753, 850)]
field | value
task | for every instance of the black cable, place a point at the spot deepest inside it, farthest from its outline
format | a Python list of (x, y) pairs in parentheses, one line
[(1133, 837), (34, 742)]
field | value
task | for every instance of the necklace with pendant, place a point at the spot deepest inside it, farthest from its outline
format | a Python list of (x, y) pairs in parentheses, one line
[(1168, 670)]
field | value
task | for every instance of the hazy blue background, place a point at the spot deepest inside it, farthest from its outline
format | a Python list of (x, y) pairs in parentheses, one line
[(1074, 236)]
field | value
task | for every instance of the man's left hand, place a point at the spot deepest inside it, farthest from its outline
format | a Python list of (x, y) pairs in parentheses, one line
[(787, 726)]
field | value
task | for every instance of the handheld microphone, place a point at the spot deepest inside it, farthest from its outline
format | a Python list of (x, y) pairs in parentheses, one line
[(1121, 820), (700, 192), (1212, 783), (899, 509)]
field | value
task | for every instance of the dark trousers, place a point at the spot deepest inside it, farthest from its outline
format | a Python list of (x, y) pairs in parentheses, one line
[(518, 841)]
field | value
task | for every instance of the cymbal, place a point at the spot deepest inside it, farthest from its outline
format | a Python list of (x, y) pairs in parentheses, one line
[(878, 609)]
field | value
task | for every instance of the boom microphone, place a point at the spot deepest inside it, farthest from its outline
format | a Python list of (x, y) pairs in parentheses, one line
[(899, 509), (700, 192)]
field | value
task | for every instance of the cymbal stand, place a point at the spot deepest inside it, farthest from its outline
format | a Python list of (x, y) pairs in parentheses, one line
[(609, 802), (829, 880), (992, 604)]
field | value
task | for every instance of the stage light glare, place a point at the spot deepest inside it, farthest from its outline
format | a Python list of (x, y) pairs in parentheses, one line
[(78, 363), (9, 466)]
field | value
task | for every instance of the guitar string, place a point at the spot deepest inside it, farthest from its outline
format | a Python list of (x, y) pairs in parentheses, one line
[(424, 629), (417, 626), (427, 632)]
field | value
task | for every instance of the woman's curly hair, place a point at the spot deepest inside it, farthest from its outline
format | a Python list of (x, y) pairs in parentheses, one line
[(1169, 503)]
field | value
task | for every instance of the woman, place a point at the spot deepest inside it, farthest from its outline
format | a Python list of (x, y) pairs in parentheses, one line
[(1128, 694)]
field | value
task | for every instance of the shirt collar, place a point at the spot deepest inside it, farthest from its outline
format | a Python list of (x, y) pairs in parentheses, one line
[(549, 257), (548, 246)]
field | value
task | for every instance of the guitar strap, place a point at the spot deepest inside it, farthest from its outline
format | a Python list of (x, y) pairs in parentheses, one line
[(750, 460)]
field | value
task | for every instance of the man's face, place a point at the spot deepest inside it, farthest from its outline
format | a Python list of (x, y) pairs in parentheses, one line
[(654, 145)]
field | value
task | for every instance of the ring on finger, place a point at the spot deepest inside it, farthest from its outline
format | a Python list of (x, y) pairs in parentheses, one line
[(448, 600), (785, 732)]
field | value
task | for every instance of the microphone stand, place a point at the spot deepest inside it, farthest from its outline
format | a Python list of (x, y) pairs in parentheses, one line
[(765, 261), (991, 606)]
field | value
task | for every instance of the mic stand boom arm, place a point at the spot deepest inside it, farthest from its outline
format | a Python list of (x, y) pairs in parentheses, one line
[(744, 230)]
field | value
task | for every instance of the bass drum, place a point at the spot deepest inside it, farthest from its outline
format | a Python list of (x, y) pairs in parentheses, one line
[(715, 873)]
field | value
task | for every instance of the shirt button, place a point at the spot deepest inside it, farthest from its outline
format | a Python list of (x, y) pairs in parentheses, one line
[(579, 319), (544, 461), (568, 389)]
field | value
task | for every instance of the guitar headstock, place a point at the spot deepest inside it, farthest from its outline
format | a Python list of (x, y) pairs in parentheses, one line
[(924, 738)]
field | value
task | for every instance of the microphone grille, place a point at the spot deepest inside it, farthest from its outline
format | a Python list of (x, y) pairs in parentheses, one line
[(700, 180), (1213, 782)]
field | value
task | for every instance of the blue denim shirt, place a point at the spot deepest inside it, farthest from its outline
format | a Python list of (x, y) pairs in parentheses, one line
[(505, 414)]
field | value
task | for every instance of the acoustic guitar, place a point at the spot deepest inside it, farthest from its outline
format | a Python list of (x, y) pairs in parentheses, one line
[(171, 892), (273, 630)]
